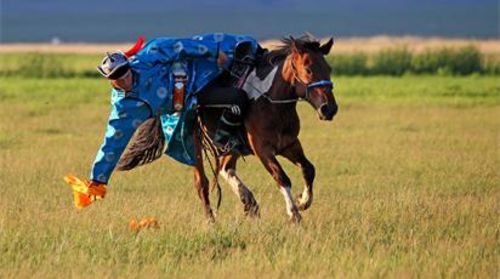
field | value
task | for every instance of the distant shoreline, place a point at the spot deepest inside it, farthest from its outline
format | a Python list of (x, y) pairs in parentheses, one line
[(342, 45)]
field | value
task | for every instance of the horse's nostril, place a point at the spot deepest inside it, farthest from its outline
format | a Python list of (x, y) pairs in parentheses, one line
[(325, 110), (328, 111)]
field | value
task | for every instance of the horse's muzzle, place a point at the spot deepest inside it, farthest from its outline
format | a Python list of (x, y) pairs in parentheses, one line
[(327, 112)]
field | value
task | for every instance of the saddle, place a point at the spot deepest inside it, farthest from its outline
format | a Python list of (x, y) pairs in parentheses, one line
[(244, 62)]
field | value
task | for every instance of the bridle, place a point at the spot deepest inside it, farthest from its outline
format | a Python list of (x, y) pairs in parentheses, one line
[(309, 86), (317, 84)]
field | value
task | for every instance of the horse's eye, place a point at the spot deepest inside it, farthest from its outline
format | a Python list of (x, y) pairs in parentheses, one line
[(309, 71)]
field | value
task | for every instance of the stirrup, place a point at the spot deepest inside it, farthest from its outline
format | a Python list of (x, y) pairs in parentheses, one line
[(228, 147)]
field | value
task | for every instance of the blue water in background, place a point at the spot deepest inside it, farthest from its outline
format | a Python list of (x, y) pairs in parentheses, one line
[(120, 21)]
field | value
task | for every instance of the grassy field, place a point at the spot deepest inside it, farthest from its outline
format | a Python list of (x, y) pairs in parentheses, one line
[(407, 186), (454, 60)]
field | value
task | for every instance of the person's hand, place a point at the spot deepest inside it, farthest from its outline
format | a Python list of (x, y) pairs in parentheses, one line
[(85, 191), (97, 189), (221, 59)]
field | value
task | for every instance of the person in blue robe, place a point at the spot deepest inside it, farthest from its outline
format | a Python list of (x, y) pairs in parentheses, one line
[(143, 86)]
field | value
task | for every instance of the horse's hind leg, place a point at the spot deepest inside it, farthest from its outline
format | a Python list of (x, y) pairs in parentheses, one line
[(228, 172), (296, 155), (201, 181)]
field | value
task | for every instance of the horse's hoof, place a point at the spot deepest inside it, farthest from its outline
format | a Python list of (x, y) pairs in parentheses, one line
[(302, 205), (296, 218), (210, 217), (252, 211), (211, 221), (250, 205)]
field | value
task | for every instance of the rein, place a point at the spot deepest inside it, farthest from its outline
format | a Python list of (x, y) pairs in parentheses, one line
[(285, 101), (208, 146)]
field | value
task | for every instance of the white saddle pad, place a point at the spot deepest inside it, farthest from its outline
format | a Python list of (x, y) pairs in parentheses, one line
[(255, 87)]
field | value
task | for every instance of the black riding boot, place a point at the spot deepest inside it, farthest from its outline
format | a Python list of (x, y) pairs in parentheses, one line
[(226, 135)]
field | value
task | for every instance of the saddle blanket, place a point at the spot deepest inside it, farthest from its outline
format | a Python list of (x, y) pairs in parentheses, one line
[(256, 87)]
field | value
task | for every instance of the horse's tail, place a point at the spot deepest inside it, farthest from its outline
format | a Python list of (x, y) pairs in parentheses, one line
[(146, 146)]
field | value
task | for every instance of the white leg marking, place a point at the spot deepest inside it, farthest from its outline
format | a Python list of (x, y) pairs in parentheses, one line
[(290, 206), (234, 181), (305, 197)]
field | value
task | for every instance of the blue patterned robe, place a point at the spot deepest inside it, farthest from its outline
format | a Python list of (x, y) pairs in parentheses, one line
[(151, 95)]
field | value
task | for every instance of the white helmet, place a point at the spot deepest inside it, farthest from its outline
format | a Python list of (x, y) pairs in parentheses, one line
[(114, 65)]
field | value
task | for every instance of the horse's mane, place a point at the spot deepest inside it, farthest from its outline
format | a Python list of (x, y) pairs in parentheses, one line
[(306, 42)]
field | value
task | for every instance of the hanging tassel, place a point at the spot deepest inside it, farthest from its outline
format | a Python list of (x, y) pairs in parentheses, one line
[(135, 49)]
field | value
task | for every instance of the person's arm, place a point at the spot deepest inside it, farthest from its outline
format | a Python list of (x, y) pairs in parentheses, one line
[(201, 49), (167, 50), (127, 115), (196, 49)]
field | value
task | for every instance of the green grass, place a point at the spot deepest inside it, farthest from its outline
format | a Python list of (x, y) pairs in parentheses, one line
[(407, 186), (420, 90), (48, 64), (393, 62), (400, 60)]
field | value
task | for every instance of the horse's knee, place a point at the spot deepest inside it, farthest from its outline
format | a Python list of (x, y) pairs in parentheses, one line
[(283, 181)]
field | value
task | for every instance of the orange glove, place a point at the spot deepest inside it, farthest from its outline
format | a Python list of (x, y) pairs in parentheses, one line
[(85, 191)]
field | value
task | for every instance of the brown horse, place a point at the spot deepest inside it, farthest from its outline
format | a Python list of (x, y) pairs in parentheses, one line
[(272, 124)]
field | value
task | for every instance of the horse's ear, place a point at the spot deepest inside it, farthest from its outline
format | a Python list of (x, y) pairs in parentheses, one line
[(325, 48), (296, 48)]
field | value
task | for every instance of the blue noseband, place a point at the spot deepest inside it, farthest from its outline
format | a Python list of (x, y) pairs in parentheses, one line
[(320, 83)]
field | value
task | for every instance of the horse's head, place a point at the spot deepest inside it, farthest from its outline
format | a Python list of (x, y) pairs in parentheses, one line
[(307, 70)]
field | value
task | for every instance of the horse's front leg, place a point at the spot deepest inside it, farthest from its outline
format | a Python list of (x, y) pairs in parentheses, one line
[(201, 181), (296, 155), (274, 168)]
